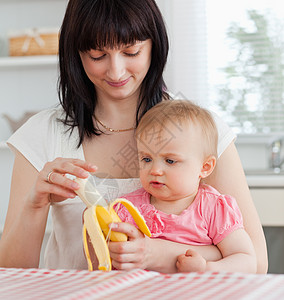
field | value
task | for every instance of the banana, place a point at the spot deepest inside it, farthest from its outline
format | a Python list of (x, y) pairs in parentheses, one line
[(92, 229), (138, 218), (97, 222)]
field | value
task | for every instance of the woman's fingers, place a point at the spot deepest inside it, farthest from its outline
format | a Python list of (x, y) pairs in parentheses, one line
[(63, 166), (53, 186), (129, 257), (124, 266), (123, 247), (60, 192), (130, 230), (61, 179), (54, 172), (125, 260), (131, 254)]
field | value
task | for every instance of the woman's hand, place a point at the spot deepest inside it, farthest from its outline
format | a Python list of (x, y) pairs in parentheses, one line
[(131, 254), (52, 185), (152, 254), (30, 197)]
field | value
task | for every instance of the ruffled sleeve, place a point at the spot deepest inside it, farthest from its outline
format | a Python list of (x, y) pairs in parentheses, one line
[(226, 218), (150, 214)]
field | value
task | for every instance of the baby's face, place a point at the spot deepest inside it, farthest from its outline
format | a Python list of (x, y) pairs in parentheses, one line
[(171, 160)]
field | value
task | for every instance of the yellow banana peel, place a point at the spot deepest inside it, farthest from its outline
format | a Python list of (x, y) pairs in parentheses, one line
[(97, 228)]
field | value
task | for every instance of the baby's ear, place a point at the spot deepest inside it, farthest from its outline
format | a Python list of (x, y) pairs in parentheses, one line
[(208, 166)]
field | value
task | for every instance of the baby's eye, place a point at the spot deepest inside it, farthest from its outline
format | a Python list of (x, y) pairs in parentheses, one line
[(146, 159), (170, 161)]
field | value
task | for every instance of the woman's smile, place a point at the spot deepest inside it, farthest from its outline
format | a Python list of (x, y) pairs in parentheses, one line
[(118, 83)]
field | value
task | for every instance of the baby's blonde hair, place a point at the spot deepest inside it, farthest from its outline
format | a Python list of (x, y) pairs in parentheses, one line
[(179, 112)]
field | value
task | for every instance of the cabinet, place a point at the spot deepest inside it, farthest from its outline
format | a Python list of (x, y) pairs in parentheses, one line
[(269, 203), (26, 83)]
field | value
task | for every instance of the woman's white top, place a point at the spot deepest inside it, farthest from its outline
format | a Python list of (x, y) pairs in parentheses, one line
[(43, 138)]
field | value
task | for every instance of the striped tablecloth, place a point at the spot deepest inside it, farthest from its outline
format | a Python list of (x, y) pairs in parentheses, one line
[(136, 284)]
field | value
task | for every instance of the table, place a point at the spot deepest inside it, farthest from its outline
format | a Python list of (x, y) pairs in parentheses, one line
[(136, 284)]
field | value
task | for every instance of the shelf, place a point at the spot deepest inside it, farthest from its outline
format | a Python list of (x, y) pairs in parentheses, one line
[(28, 61)]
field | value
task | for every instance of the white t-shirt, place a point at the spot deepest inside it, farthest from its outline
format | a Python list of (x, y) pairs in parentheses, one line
[(43, 138)]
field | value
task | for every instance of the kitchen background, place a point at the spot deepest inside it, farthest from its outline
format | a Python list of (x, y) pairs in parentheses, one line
[(28, 84)]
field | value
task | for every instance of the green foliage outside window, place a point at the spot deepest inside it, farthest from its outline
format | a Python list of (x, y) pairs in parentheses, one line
[(254, 87)]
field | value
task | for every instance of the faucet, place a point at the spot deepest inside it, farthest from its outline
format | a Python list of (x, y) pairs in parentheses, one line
[(276, 159)]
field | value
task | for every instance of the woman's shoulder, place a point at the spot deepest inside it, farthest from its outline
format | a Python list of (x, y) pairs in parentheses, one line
[(44, 118), (43, 126), (48, 116), (40, 138)]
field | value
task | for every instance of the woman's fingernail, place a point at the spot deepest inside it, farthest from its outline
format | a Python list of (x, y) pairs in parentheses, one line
[(112, 225), (84, 173)]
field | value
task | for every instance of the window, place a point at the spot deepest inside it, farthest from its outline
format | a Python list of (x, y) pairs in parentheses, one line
[(186, 70), (228, 55)]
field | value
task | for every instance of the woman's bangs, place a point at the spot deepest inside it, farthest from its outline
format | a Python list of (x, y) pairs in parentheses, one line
[(105, 34)]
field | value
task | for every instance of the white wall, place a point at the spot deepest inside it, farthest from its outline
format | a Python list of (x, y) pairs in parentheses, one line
[(23, 88)]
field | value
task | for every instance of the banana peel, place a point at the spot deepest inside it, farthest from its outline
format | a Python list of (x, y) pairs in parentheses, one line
[(97, 227)]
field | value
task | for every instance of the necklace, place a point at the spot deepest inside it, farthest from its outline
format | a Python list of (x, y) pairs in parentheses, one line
[(111, 129)]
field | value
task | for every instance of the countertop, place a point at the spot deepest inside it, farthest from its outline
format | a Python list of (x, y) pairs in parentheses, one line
[(265, 178), (265, 181)]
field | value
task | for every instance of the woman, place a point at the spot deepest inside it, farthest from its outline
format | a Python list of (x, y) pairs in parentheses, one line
[(112, 55)]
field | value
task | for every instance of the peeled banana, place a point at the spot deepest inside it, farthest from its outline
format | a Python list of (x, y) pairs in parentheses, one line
[(97, 222)]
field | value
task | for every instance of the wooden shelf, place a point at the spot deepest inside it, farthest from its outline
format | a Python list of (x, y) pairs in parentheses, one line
[(28, 61)]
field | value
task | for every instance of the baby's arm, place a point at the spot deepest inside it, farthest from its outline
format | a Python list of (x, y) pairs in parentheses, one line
[(237, 251)]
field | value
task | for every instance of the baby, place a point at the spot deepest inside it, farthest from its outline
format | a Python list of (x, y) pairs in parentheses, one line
[(177, 149)]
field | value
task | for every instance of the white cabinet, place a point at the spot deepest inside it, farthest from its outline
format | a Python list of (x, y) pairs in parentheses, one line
[(269, 203), (26, 83)]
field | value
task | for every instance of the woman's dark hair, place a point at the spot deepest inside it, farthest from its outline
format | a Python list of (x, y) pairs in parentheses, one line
[(95, 24)]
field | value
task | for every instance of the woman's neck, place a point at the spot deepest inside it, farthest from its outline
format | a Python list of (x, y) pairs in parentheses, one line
[(117, 114)]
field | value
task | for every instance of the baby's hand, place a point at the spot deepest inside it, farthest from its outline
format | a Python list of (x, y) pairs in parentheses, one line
[(191, 261)]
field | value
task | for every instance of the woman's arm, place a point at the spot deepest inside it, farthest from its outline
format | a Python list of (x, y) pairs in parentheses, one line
[(29, 204), (24, 226), (229, 178), (151, 254)]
